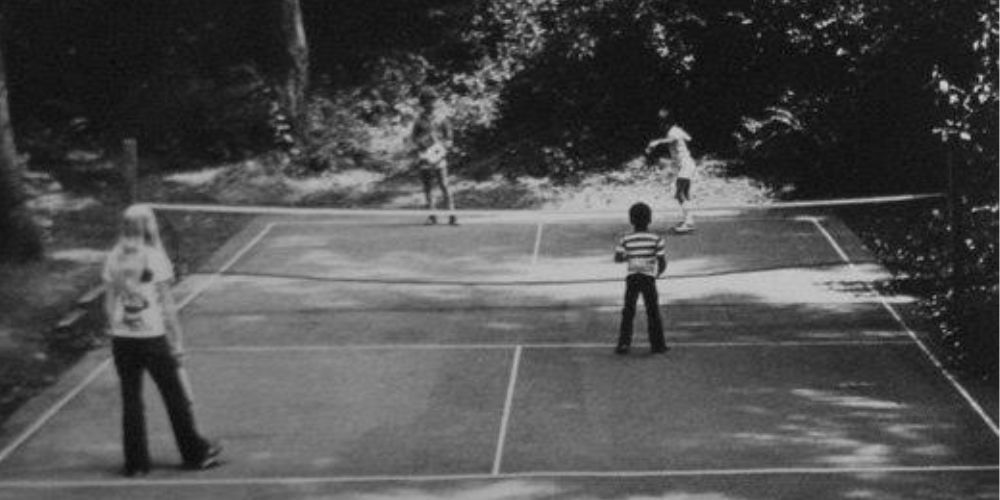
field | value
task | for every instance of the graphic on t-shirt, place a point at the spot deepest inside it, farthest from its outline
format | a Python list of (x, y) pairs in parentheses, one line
[(134, 277), (133, 304)]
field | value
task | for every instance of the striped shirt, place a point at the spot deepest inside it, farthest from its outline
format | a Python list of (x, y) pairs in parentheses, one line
[(641, 251)]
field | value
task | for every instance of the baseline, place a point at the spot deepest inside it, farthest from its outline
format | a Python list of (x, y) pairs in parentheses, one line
[(189, 481)]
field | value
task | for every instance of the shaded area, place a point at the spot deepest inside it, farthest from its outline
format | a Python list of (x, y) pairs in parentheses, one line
[(293, 414), (845, 406)]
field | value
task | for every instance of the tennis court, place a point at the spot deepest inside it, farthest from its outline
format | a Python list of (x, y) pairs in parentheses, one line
[(363, 355)]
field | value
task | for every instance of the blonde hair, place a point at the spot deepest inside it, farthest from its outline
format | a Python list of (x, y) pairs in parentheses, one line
[(139, 234), (139, 220)]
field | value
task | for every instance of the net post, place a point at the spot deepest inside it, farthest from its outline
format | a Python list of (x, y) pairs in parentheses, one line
[(130, 169)]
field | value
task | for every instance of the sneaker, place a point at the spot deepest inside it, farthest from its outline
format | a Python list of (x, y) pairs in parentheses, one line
[(622, 349), (431, 220), (660, 350), (210, 460), (684, 228), (452, 220)]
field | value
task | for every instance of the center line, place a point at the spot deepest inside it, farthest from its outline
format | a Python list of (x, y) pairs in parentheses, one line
[(538, 244), (506, 411)]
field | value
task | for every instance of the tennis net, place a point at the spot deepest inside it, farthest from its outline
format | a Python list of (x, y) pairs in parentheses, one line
[(523, 247)]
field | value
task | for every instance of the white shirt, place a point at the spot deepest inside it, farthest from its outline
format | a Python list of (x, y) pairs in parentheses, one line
[(131, 276), (677, 140)]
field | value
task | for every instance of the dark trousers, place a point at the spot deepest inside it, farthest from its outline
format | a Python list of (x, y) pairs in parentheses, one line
[(133, 357), (635, 285)]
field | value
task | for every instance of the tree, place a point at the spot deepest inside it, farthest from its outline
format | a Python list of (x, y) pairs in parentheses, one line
[(20, 239), (296, 65)]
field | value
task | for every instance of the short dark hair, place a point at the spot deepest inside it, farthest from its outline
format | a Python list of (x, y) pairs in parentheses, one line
[(640, 215)]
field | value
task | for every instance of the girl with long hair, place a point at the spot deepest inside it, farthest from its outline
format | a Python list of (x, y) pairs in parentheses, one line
[(141, 313)]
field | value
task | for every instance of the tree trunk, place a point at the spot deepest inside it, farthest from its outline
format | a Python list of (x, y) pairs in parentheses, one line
[(296, 70), (20, 238)]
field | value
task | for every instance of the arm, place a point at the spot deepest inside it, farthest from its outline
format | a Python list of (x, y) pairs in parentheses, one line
[(170, 319), (109, 304), (620, 250), (661, 256), (656, 142)]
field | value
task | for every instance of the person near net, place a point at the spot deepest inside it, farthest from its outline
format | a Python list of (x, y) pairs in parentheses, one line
[(140, 312), (431, 137), (677, 139), (645, 254)]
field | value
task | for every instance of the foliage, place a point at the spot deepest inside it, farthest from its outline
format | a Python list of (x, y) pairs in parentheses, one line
[(968, 103)]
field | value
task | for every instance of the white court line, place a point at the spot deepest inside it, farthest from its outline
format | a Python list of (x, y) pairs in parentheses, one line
[(505, 419), (540, 345), (46, 416), (913, 336), (538, 244), (611, 474)]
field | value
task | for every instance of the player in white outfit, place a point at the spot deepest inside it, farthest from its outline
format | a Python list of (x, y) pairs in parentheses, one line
[(676, 140)]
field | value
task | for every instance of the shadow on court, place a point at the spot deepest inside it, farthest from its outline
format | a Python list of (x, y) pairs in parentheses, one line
[(476, 362)]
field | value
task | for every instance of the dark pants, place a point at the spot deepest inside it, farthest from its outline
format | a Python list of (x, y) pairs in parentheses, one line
[(133, 357), (636, 284)]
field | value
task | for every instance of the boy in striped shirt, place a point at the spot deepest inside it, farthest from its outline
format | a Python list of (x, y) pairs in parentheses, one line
[(646, 255)]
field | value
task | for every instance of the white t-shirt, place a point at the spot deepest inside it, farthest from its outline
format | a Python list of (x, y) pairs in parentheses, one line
[(136, 310), (677, 140)]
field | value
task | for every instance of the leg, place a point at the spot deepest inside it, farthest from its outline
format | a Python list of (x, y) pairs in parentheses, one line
[(427, 181), (442, 182), (164, 369), (684, 200), (655, 325), (628, 314), (128, 355)]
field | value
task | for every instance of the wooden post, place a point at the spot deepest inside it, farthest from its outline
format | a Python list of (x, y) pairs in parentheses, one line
[(296, 51), (130, 169)]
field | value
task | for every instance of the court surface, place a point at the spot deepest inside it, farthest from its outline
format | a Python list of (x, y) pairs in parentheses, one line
[(374, 358)]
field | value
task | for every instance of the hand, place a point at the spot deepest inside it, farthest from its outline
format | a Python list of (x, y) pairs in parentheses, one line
[(178, 354)]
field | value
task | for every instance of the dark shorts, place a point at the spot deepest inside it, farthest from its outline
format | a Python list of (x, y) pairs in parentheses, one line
[(682, 192)]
